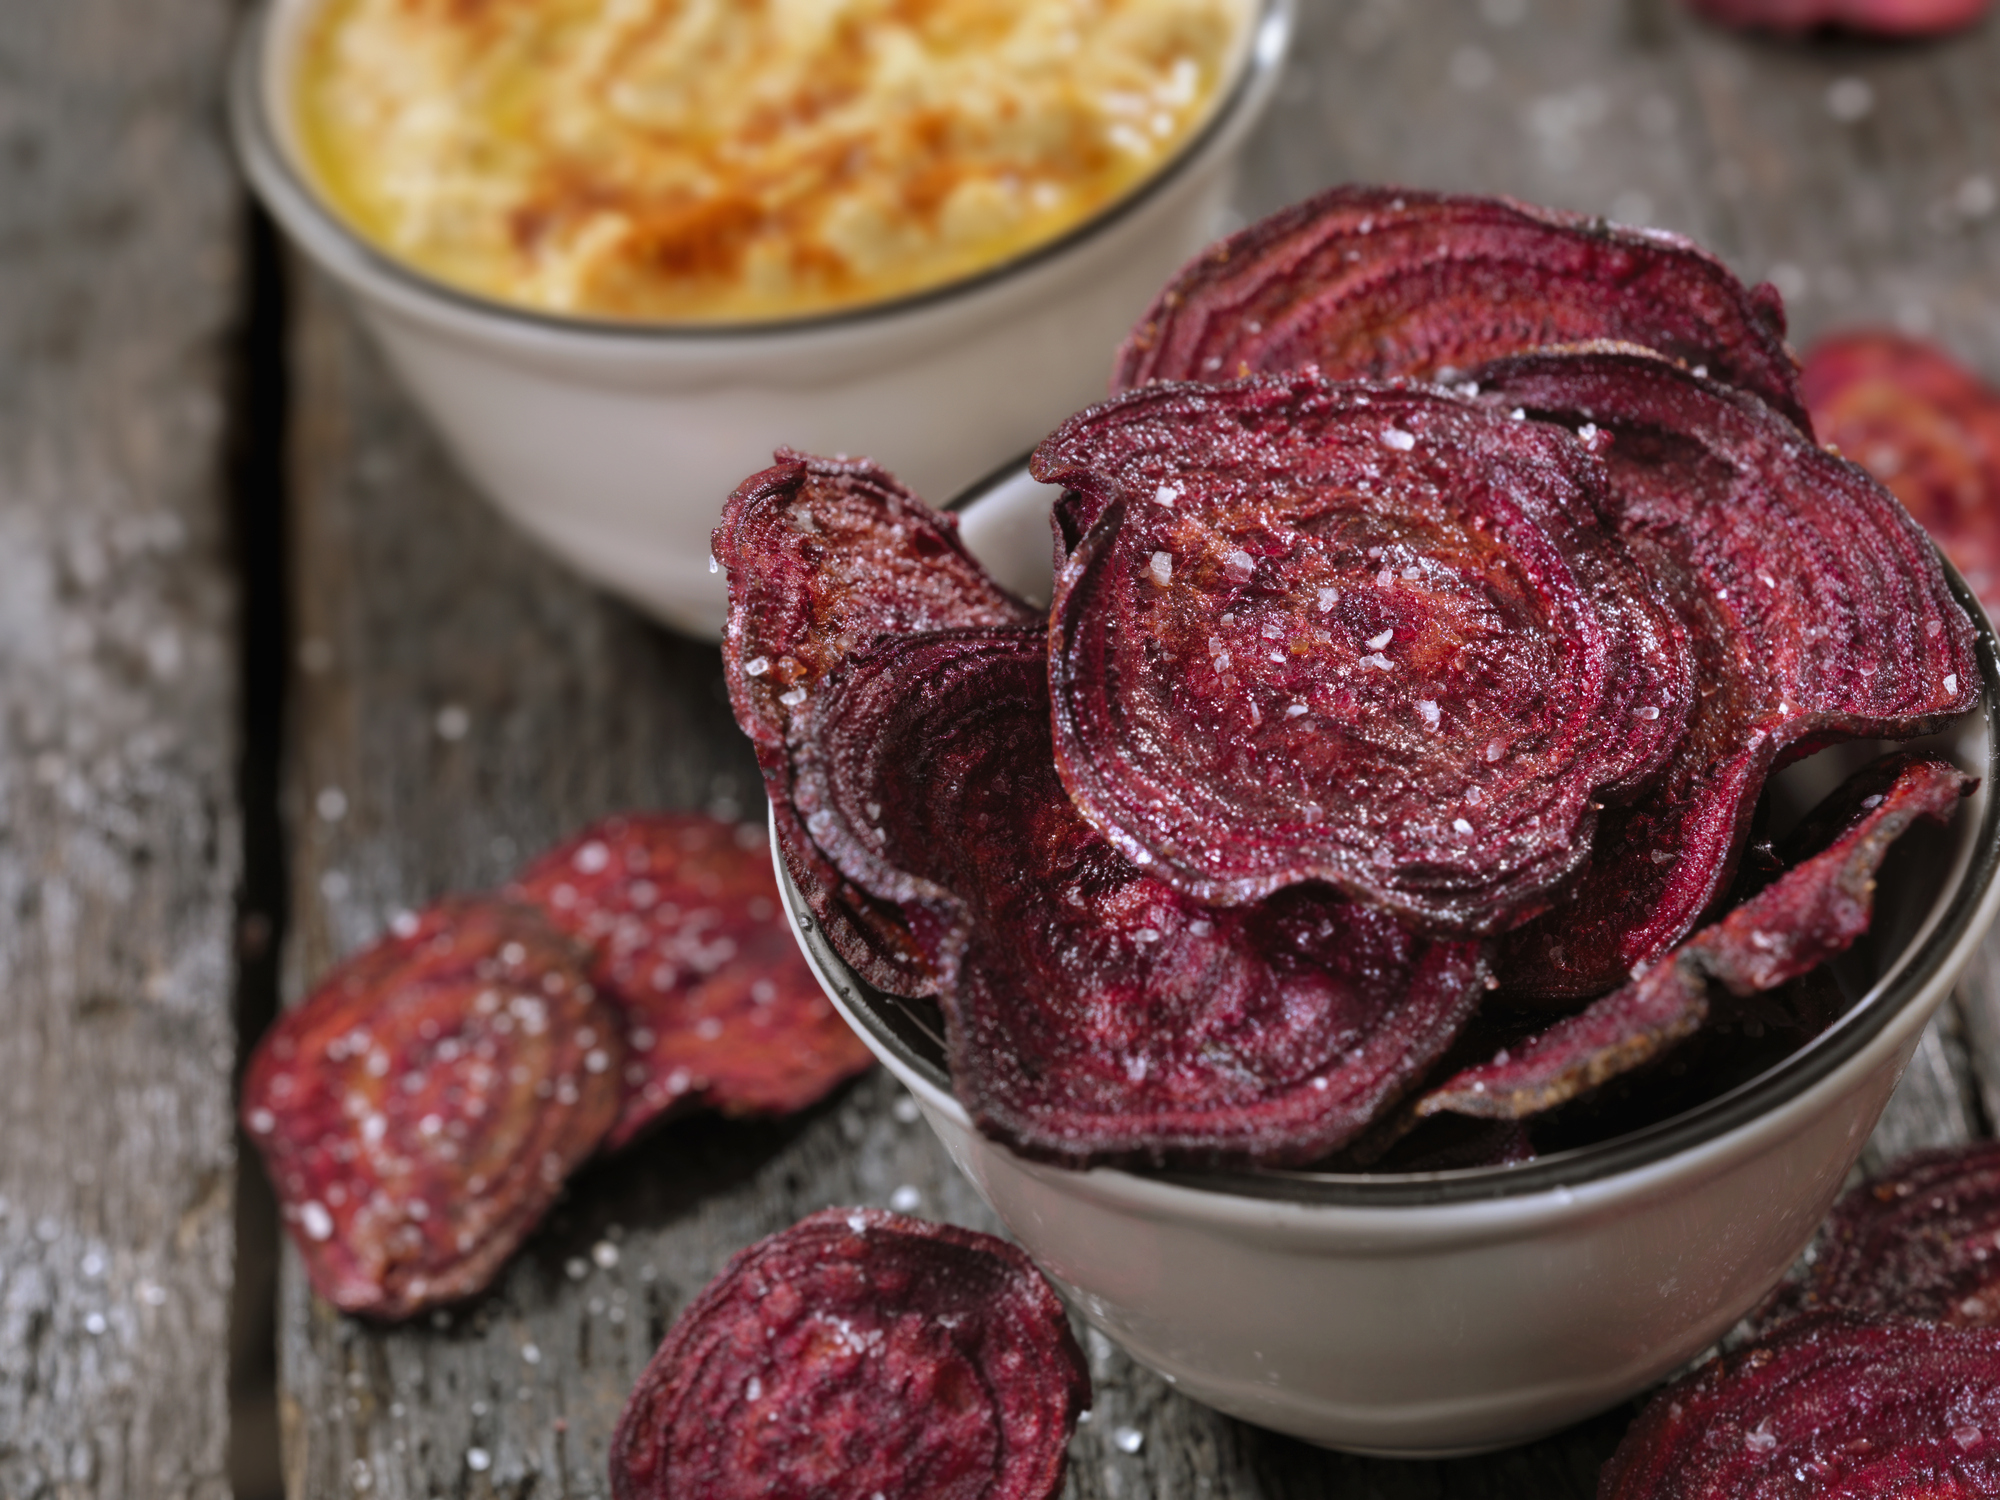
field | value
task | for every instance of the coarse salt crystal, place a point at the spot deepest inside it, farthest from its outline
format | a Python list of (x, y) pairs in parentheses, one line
[(1398, 439), (1162, 568)]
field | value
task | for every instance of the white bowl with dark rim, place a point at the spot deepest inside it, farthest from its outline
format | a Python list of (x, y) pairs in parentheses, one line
[(615, 443), (1430, 1314)]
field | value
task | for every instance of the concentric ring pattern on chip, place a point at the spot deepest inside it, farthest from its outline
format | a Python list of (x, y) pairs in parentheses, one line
[(1355, 633), (859, 1353), (419, 1112)]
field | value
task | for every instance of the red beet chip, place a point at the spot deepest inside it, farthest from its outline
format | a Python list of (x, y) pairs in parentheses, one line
[(1817, 610), (420, 1110), (1828, 1407), (680, 912), (1096, 1014), (1376, 281), (1884, 18), (1925, 426), (1363, 634), (859, 1354), (1804, 917), (824, 557), (1921, 1241)]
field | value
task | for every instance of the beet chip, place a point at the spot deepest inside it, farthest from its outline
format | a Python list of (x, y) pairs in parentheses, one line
[(1921, 1241), (1364, 634), (682, 918), (859, 1354), (1884, 18), (1376, 281), (1816, 607), (422, 1107), (1926, 427), (824, 557), (1827, 1407), (1793, 925), (1095, 1013)]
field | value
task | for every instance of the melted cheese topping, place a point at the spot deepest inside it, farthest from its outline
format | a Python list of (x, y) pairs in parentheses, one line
[(716, 160)]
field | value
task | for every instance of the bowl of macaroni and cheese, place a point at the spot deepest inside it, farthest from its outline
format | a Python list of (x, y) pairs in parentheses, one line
[(618, 253)]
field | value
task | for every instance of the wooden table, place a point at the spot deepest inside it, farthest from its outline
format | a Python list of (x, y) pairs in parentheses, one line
[(268, 668)]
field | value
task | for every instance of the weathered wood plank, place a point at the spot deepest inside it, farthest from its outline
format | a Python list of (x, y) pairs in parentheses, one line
[(118, 832), (413, 601)]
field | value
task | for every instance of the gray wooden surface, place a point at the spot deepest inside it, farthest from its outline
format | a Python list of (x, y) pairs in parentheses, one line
[(118, 822), (469, 702)]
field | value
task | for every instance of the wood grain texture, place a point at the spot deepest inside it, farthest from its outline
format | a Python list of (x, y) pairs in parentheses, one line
[(118, 847), (414, 601)]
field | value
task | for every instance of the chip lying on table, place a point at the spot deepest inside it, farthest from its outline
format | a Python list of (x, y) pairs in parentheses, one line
[(421, 1109), (1432, 602), (859, 1353)]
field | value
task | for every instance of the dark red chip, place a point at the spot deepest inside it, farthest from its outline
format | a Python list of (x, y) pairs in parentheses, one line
[(856, 1355), (1920, 1241), (1925, 426), (1828, 1407), (1883, 18), (1804, 917), (1371, 635), (1096, 1014), (1817, 610), (1373, 281), (420, 1110), (824, 557), (681, 915)]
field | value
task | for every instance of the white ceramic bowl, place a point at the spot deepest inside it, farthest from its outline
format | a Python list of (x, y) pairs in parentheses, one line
[(615, 444), (1452, 1312)]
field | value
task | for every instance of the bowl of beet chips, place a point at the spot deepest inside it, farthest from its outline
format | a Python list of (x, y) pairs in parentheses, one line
[(1405, 851)]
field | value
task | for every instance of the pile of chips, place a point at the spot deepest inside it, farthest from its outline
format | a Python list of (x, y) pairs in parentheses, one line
[(1433, 599), (420, 1111)]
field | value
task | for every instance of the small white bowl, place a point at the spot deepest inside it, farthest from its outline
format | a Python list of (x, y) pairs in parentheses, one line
[(615, 443), (1452, 1312)]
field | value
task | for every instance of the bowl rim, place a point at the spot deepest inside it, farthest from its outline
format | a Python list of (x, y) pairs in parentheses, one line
[(1912, 977), (288, 190)]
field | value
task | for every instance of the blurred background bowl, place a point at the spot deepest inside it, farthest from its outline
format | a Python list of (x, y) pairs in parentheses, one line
[(615, 443), (1429, 1314)]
